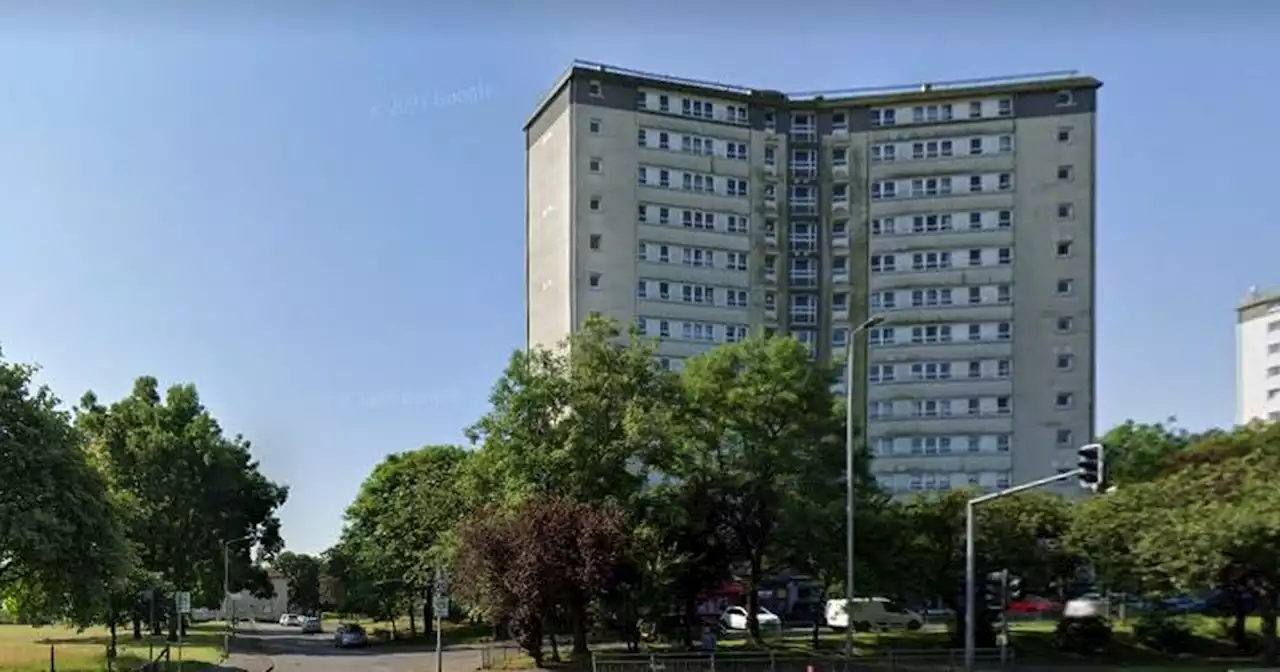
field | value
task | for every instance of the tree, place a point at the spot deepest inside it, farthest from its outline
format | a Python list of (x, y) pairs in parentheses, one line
[(302, 573), (1137, 452), (1208, 520), (61, 544), (188, 488), (1021, 533), (549, 554), (760, 414), (399, 521), (560, 418)]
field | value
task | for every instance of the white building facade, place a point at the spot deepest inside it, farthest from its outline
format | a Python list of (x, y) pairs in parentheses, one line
[(1258, 357)]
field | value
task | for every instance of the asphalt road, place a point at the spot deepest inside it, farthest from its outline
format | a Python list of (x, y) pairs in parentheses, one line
[(262, 646)]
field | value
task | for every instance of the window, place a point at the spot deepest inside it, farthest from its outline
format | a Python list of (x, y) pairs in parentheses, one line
[(1006, 182), (1004, 219), (883, 263), (839, 337), (1066, 211), (1273, 326), (594, 204), (642, 138), (839, 121), (595, 241), (737, 261), (737, 298), (975, 109), (1064, 400), (1273, 349), (1064, 135), (1066, 287), (1004, 331), (1006, 144), (1066, 362), (1002, 445), (594, 88), (975, 146), (664, 103), (1065, 324), (594, 126), (839, 228), (642, 292), (594, 165), (1063, 438), (881, 373), (1066, 173), (594, 280), (1065, 99), (1003, 404), (1004, 107), (1273, 371), (1004, 256), (975, 184)]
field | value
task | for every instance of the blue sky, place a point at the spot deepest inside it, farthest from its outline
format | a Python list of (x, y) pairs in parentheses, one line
[(213, 197)]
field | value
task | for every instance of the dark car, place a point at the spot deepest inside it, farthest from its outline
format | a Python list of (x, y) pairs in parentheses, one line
[(350, 635)]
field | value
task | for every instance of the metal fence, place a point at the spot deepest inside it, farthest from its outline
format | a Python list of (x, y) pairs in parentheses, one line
[(896, 660)]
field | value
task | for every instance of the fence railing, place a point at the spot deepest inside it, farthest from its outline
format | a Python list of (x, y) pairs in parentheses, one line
[(895, 660)]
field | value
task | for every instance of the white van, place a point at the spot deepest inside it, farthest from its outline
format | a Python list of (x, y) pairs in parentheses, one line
[(872, 613)]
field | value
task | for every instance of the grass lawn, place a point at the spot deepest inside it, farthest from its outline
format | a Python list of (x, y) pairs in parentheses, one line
[(1032, 643), (26, 649)]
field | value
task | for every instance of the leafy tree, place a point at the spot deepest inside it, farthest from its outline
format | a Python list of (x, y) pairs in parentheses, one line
[(399, 521), (560, 418), (1137, 452), (1207, 521), (61, 544), (761, 414), (188, 488), (302, 573), (548, 554), (1021, 533)]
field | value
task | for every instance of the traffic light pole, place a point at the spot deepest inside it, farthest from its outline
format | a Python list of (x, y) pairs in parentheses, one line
[(971, 556)]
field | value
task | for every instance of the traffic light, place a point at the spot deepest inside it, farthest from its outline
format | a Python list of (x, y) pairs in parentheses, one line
[(1013, 589), (995, 590), (1091, 466)]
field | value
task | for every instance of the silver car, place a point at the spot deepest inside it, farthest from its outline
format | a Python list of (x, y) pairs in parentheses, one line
[(350, 635), (311, 625)]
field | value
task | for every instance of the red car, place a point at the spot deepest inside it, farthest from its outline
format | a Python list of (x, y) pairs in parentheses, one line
[(1034, 605)]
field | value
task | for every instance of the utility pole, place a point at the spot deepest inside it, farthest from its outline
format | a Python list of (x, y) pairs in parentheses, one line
[(228, 606), (850, 499)]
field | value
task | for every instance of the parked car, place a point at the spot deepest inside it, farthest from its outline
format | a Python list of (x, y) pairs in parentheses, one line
[(350, 635), (872, 613), (311, 625), (291, 620), (1035, 605), (1183, 604), (735, 618)]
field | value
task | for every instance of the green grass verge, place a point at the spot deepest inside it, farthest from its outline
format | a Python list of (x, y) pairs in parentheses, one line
[(27, 649)]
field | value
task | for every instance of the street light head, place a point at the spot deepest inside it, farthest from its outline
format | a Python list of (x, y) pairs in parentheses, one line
[(875, 320)]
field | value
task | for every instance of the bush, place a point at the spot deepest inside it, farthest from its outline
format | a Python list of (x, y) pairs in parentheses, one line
[(1164, 632), (1084, 635)]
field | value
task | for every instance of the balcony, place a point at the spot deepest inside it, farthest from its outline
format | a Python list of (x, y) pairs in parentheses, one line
[(840, 240), (840, 277), (806, 207), (804, 171), (803, 242), (771, 238), (840, 204), (804, 135), (770, 168), (840, 170), (770, 203), (803, 279), (803, 316)]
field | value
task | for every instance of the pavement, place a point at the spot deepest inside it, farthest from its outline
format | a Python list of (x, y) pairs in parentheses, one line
[(262, 646)]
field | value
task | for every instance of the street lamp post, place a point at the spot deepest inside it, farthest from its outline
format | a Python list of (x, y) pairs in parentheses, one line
[(849, 485), (226, 590)]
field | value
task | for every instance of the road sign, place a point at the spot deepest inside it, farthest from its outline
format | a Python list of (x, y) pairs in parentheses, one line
[(441, 582), (440, 606), (183, 600)]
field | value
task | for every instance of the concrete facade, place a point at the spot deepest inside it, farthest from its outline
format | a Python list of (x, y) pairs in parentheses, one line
[(960, 214), (1258, 357)]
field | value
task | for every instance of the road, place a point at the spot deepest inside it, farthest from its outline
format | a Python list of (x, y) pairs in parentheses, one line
[(261, 646)]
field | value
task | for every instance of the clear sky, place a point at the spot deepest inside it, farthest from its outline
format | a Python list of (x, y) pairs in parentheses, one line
[(223, 197)]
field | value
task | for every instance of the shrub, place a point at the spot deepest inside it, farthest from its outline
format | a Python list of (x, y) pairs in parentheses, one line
[(1164, 632)]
